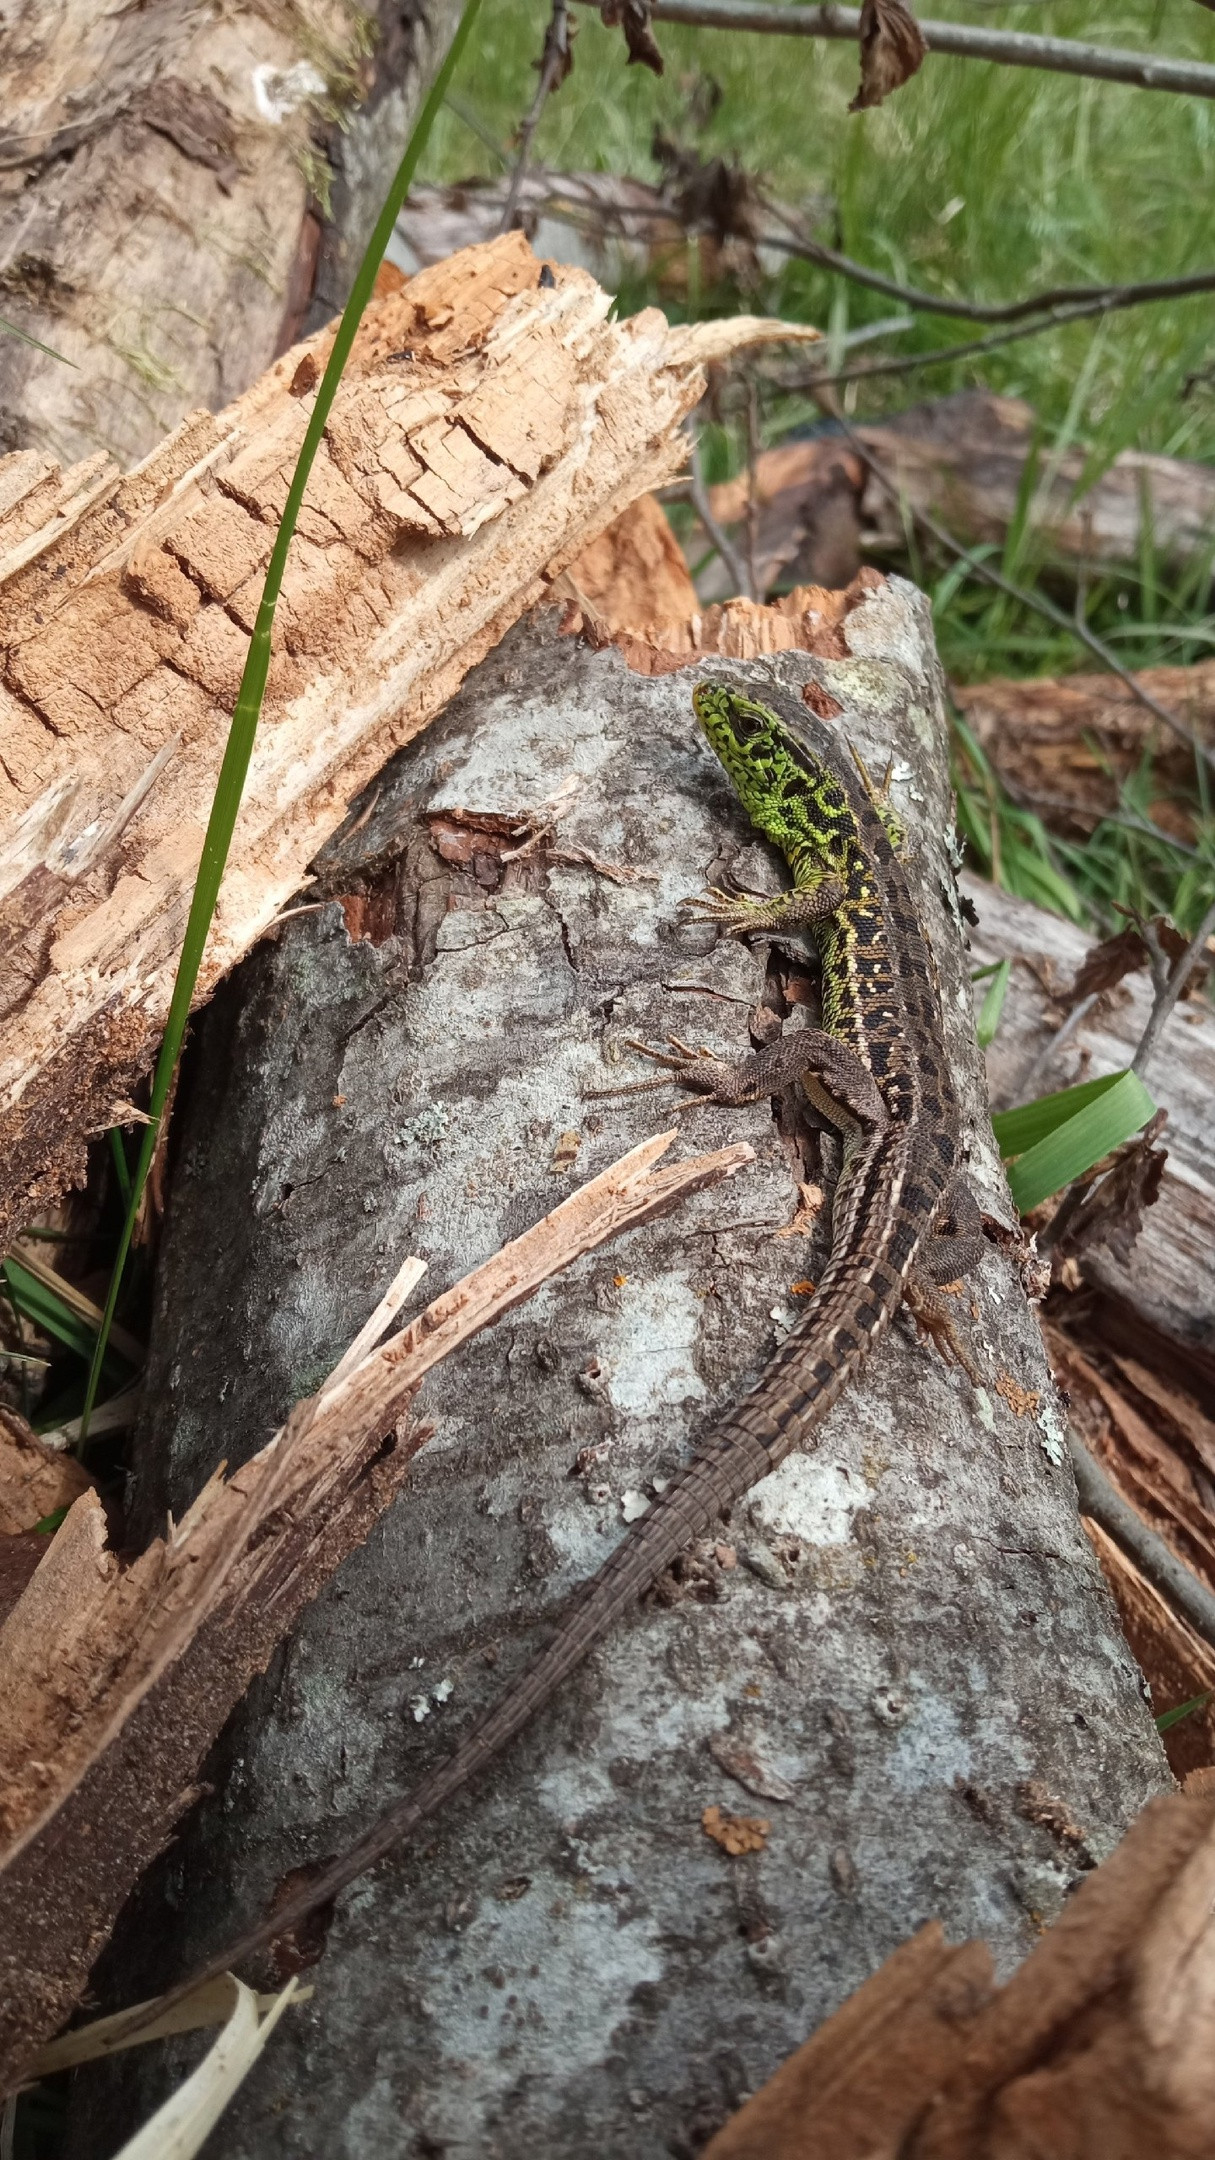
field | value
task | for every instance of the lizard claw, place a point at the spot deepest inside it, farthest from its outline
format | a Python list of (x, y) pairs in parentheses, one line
[(733, 915)]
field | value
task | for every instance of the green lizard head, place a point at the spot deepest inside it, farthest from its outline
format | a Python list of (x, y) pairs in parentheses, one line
[(795, 797), (778, 780)]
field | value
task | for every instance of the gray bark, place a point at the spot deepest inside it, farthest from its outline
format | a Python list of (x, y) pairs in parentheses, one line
[(916, 1623)]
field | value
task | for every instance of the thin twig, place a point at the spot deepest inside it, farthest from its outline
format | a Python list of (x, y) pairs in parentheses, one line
[(967, 41), (980, 311), (1038, 1064), (1026, 597), (700, 503), (1169, 990), (554, 67), (940, 355)]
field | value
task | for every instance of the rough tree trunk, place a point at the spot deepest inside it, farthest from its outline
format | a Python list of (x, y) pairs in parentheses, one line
[(901, 1628), (178, 201)]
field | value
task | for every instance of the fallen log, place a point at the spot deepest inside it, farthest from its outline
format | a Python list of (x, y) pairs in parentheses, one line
[(1161, 1298), (961, 460), (815, 1733), (491, 424), (118, 1678), (1065, 745)]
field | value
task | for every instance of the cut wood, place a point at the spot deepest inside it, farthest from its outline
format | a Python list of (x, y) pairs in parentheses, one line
[(598, 1944), (489, 427), (183, 185)]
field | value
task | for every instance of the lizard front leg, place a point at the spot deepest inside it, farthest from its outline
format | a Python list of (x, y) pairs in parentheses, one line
[(797, 909)]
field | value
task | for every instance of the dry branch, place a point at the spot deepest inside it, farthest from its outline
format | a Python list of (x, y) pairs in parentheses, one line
[(118, 1680), (967, 41), (489, 428)]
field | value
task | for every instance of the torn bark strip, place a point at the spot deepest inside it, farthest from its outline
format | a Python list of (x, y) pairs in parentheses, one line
[(489, 427), (118, 1680)]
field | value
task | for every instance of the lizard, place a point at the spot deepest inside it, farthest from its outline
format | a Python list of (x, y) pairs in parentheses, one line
[(903, 1220)]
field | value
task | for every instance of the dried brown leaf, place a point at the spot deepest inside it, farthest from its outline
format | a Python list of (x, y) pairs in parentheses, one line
[(1107, 963), (892, 49), (1112, 1213), (1127, 951), (633, 17)]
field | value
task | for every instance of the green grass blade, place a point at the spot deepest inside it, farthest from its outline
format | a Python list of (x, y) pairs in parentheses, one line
[(1017, 1130), (241, 734), (9, 329), (1168, 1718), (38, 1304), (993, 1005), (1056, 1140), (119, 1156)]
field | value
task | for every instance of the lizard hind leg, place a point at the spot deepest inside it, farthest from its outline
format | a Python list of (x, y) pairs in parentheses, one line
[(809, 1055), (945, 1257)]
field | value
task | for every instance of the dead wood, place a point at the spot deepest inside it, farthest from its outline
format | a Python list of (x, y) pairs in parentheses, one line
[(489, 427), (962, 459), (1161, 1299), (599, 1944), (1131, 1334), (117, 1680), (1097, 2048), (1063, 745), (185, 192)]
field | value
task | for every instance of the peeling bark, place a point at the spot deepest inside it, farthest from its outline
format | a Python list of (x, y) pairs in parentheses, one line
[(898, 1628), (488, 427)]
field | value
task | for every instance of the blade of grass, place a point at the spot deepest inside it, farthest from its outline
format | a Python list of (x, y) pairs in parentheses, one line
[(993, 1005), (1022, 1128), (52, 1316), (1168, 1718), (241, 734), (1073, 1144), (9, 329)]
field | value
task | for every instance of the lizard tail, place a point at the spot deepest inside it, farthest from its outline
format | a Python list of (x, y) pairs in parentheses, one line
[(796, 1391)]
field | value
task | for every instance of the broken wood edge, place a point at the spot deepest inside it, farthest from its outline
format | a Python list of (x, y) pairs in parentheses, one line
[(205, 1606), (64, 1074), (924, 2057)]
